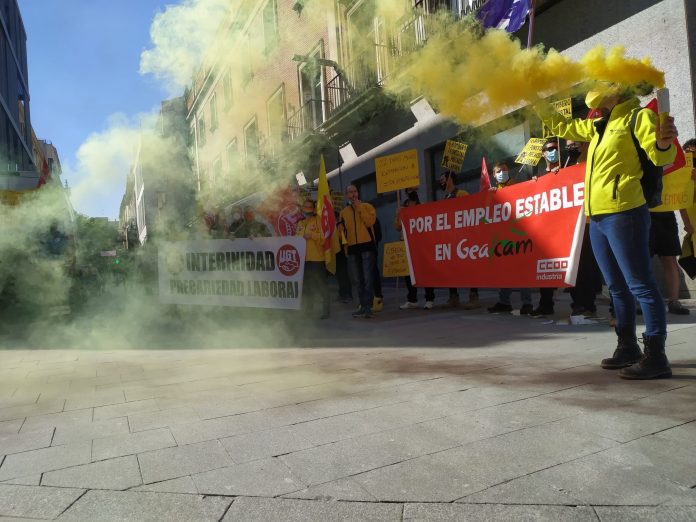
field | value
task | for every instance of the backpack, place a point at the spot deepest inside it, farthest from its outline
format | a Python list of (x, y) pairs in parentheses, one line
[(652, 174)]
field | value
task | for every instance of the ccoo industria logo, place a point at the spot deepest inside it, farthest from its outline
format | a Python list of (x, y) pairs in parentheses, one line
[(288, 260), (558, 264)]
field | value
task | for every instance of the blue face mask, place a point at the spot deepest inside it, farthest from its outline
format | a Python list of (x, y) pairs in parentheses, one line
[(552, 155)]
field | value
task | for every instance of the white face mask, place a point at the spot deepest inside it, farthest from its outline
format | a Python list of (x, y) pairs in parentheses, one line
[(502, 176)]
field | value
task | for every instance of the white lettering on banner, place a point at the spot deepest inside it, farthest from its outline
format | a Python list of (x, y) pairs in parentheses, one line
[(420, 224), (471, 252), (559, 264), (554, 199), (443, 252)]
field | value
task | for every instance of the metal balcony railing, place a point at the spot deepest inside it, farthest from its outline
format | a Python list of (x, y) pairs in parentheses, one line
[(308, 117)]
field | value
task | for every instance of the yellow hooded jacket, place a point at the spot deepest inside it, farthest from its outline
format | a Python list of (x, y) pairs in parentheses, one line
[(315, 244), (613, 172), (358, 227)]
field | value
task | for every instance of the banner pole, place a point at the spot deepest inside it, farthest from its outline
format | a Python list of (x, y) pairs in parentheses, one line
[(530, 33)]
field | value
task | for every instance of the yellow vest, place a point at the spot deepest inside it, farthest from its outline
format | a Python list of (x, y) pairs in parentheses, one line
[(315, 244)]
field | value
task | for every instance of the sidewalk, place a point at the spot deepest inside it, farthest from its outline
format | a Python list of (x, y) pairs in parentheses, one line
[(413, 415)]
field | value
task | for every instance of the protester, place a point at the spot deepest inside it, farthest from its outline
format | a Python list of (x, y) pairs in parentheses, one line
[(235, 222), (315, 289), (412, 296), (356, 222), (251, 228), (552, 158), (448, 184), (501, 172), (664, 243), (378, 299), (345, 294), (620, 220)]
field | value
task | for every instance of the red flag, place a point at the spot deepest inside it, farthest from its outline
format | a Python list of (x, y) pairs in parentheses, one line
[(485, 178), (327, 219)]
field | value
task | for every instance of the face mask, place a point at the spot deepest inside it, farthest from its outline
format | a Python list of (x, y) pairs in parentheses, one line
[(573, 154), (552, 155), (502, 176)]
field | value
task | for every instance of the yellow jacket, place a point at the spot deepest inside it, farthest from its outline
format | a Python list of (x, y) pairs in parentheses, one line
[(315, 244), (613, 172), (358, 225)]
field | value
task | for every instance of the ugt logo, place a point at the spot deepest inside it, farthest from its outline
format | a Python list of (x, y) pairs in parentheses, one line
[(288, 260)]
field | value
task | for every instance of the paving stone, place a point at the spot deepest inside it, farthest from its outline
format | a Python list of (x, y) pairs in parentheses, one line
[(163, 418), (90, 430), (18, 442), (348, 457), (35, 501), (488, 513), (341, 489), (54, 420), (29, 480), (287, 510), (11, 427), (95, 399), (176, 462), (125, 409), (40, 408), (646, 514), (131, 443), (179, 485), (47, 459), (454, 473), (118, 506), (263, 444), (530, 489), (120, 473), (264, 478)]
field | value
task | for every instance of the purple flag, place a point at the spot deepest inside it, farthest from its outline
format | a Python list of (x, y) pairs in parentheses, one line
[(504, 14)]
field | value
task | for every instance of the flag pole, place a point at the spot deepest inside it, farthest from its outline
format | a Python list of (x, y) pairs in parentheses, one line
[(530, 33)]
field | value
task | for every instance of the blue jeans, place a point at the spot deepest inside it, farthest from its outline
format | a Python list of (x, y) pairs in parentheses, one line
[(504, 295), (620, 245), (361, 268)]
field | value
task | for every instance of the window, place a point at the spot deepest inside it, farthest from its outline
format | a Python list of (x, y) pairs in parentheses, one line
[(251, 140), (270, 25), (227, 92), (312, 90), (277, 118), (213, 113), (201, 131), (232, 153)]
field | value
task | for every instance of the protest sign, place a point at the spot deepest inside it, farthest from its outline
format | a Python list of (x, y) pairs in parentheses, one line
[(258, 273), (397, 171), (532, 152), (394, 259), (677, 191), (453, 157), (525, 235), (563, 107)]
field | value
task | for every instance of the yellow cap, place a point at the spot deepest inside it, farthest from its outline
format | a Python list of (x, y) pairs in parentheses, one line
[(594, 99)]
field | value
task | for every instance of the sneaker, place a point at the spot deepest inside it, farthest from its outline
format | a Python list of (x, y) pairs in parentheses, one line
[(675, 307), (360, 312), (377, 304), (526, 309), (428, 305), (541, 311), (407, 305), (499, 308)]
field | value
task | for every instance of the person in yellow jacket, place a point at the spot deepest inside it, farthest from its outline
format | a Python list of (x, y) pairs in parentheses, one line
[(357, 221), (315, 285), (619, 218)]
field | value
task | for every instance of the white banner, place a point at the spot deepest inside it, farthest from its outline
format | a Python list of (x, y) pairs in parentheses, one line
[(257, 273)]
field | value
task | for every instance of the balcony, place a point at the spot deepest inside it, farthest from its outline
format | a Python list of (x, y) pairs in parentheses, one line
[(308, 117)]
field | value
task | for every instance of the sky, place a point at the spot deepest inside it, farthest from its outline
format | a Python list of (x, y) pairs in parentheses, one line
[(84, 57)]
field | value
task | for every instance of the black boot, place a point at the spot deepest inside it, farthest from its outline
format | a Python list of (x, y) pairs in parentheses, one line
[(653, 365), (627, 352)]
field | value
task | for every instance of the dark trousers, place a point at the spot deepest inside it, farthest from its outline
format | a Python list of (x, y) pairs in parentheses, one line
[(546, 297), (344, 289), (377, 282), (589, 280), (413, 292), (361, 267), (620, 245), (316, 289)]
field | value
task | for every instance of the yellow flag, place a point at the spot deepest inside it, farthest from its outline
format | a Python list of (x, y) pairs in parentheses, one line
[(327, 218)]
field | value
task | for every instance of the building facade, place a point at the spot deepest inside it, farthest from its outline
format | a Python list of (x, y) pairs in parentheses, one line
[(16, 153)]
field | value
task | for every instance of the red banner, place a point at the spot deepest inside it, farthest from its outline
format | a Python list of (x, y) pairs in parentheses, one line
[(525, 235)]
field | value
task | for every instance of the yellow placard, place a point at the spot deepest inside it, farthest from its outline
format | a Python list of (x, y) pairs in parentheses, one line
[(564, 108), (337, 199), (395, 263), (397, 171), (453, 157), (532, 152), (677, 191)]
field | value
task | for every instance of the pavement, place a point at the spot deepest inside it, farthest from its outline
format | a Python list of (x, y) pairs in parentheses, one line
[(414, 415)]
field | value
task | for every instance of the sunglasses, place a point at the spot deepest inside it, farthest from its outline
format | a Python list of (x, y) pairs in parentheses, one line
[(546, 149)]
